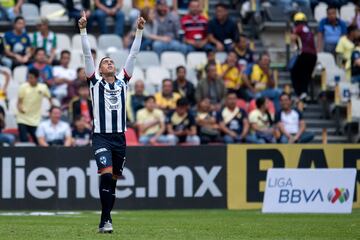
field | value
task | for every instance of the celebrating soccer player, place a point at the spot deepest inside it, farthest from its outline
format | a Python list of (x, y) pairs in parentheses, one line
[(108, 98)]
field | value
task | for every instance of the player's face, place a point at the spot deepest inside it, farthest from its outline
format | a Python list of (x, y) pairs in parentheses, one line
[(107, 67), (231, 101)]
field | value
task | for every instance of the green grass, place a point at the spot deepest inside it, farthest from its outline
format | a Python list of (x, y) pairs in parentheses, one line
[(185, 224)]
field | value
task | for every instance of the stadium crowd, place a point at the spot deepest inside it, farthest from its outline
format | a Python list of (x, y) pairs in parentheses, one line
[(235, 101)]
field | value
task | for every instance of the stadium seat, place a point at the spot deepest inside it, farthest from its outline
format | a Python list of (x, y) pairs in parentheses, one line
[(99, 55), (242, 104), (54, 12), (30, 12), (332, 73), (146, 59), (191, 76), (193, 59), (320, 11), (347, 12), (327, 60), (63, 42), (138, 74), (76, 41), (119, 57), (171, 60), (10, 120), (252, 106), (131, 138), (276, 14), (19, 74), (107, 41), (77, 59), (221, 56), (355, 107), (126, 8), (155, 75)]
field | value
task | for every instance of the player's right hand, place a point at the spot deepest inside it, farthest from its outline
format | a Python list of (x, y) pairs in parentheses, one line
[(82, 21)]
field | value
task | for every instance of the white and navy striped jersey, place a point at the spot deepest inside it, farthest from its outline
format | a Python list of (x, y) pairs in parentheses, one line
[(109, 104)]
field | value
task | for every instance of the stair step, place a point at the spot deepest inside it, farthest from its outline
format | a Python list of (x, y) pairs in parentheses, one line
[(318, 131), (331, 139)]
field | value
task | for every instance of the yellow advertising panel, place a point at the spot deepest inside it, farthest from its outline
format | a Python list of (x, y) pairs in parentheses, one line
[(247, 166)]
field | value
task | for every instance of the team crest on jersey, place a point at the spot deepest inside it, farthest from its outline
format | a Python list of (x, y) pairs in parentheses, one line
[(103, 160), (23, 40), (113, 99)]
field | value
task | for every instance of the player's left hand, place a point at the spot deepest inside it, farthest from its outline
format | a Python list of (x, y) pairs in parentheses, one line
[(140, 23)]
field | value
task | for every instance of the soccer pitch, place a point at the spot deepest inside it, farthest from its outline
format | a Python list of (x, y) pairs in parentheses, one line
[(184, 224)]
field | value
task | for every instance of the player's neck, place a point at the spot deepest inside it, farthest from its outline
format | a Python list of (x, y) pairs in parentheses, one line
[(109, 79)]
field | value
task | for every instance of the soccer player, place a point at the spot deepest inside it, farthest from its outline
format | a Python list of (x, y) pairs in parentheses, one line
[(108, 98)]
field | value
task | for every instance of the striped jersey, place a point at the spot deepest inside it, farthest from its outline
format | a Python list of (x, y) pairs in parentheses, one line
[(109, 103)]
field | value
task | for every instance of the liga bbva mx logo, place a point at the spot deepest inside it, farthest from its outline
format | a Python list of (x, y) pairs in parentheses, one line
[(338, 194)]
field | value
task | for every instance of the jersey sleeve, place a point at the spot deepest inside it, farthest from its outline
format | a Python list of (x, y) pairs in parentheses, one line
[(130, 61)]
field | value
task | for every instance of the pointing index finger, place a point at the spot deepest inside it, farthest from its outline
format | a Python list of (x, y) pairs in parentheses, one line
[(83, 14)]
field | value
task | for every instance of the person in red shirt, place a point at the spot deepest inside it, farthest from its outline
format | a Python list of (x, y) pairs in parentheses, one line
[(301, 70), (195, 27)]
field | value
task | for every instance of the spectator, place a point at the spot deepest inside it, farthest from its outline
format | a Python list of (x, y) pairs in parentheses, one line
[(195, 27), (10, 9), (260, 82), (45, 39), (135, 101), (17, 43), (181, 124), (230, 72), (54, 132), (81, 135), (345, 47), (166, 99), (184, 87), (261, 123), (75, 7), (150, 29), (4, 60), (211, 59), (330, 30), (82, 106), (151, 124), (45, 70), (287, 5), (3, 88), (63, 76), (208, 128), (73, 87), (168, 26), (181, 6), (223, 32), (4, 137), (301, 71), (31, 94), (138, 6), (291, 124), (109, 8), (355, 62), (356, 20), (233, 122), (212, 88), (244, 53)]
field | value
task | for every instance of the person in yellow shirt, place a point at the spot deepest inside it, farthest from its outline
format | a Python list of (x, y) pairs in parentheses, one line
[(12, 8), (151, 124), (230, 72), (211, 59), (260, 82), (166, 99), (345, 47), (139, 5), (31, 95)]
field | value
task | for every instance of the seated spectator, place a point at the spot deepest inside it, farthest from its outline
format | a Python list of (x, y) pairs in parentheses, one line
[(233, 122), (211, 59), (135, 101), (287, 5), (330, 30), (4, 137), (75, 8), (18, 45), (151, 125), (230, 73), (54, 132), (3, 87), (208, 128), (10, 9), (184, 87), (82, 106), (181, 123), (81, 135), (63, 76), (167, 33), (291, 123), (261, 123), (223, 32), (260, 82), (45, 39), (195, 27), (138, 6), (4, 60), (166, 99), (345, 47), (244, 53), (150, 29), (355, 62), (31, 94), (356, 20), (73, 87), (212, 88), (108, 8), (45, 70)]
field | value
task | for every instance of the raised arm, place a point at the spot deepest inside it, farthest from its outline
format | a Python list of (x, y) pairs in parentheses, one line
[(89, 61), (135, 48)]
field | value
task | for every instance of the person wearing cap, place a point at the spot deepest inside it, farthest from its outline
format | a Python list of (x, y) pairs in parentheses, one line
[(44, 38), (304, 65)]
